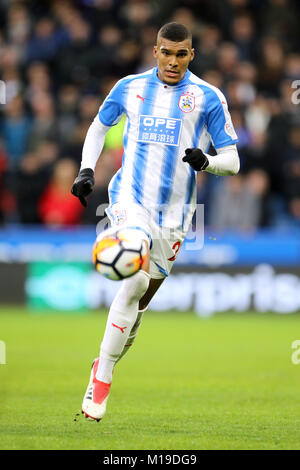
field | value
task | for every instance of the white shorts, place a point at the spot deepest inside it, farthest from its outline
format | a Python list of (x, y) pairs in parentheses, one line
[(164, 244)]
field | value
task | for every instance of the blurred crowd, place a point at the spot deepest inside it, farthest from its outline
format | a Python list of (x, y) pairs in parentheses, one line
[(60, 58)]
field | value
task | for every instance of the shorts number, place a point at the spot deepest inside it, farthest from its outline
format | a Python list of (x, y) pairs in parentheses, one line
[(175, 248)]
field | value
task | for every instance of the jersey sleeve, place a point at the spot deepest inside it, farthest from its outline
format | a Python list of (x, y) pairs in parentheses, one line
[(219, 124), (112, 109)]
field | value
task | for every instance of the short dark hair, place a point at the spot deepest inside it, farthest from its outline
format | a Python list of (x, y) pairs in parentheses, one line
[(175, 32)]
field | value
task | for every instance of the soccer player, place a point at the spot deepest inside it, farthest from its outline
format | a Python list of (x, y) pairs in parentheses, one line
[(172, 116)]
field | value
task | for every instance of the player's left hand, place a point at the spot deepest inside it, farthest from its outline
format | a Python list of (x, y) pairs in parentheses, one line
[(196, 158)]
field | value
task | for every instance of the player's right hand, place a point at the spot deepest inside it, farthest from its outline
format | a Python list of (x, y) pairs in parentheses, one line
[(83, 185)]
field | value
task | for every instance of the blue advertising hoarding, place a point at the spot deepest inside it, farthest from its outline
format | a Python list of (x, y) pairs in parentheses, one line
[(227, 249)]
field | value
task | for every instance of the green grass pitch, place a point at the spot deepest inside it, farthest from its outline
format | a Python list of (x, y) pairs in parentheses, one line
[(226, 382)]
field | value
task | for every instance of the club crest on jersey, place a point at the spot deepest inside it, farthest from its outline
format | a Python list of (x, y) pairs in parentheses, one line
[(186, 102)]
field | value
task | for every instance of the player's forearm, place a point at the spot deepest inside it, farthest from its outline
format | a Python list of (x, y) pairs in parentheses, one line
[(226, 162), (93, 144)]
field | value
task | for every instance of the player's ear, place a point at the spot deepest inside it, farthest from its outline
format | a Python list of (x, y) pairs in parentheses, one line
[(155, 51), (192, 54)]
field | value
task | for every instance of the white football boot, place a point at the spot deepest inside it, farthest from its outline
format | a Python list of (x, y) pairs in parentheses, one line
[(96, 396)]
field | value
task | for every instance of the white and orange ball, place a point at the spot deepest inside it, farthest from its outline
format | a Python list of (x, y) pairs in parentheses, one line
[(120, 254)]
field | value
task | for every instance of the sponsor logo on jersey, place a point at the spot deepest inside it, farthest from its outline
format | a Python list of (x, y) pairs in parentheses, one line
[(158, 130), (186, 102)]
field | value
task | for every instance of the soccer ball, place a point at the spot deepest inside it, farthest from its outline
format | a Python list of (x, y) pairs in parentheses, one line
[(119, 255)]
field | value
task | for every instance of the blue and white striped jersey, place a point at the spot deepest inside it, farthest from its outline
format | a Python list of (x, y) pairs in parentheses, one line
[(161, 122)]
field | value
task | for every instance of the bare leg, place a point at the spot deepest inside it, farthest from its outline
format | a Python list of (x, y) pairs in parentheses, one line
[(154, 285)]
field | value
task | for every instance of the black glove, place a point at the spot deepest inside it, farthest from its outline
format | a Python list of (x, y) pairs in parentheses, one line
[(196, 158), (83, 185)]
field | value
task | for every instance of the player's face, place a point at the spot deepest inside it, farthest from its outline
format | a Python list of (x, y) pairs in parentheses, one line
[(173, 59)]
